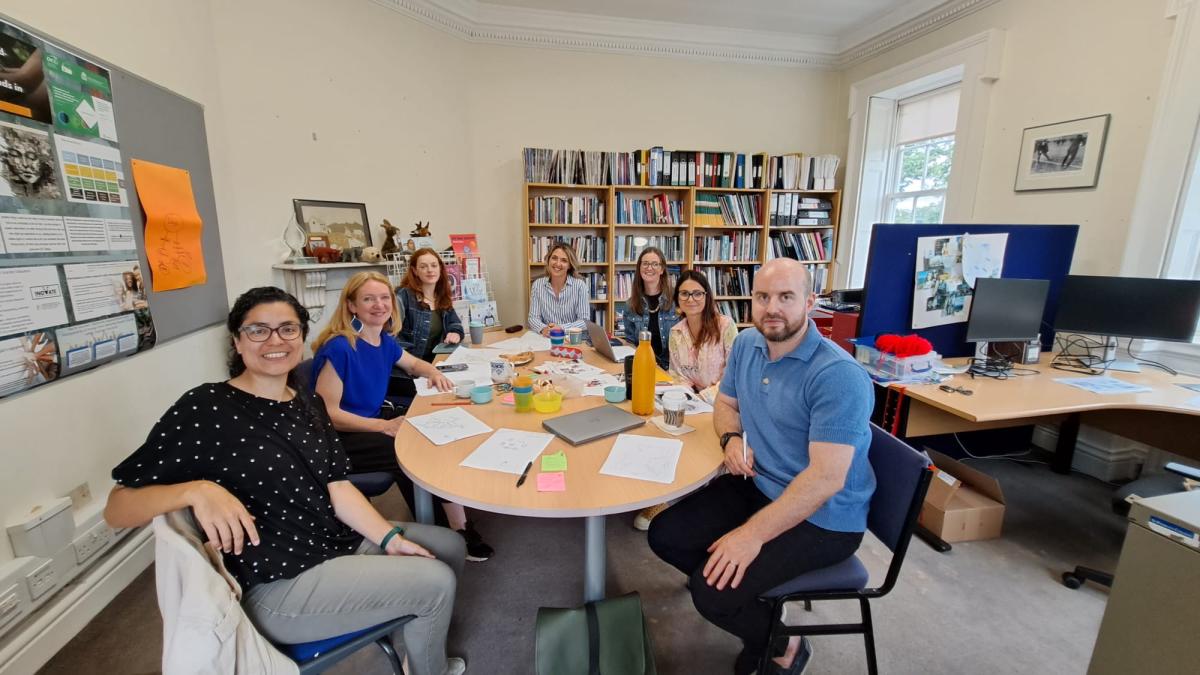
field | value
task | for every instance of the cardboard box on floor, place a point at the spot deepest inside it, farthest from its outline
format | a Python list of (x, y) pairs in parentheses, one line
[(962, 504)]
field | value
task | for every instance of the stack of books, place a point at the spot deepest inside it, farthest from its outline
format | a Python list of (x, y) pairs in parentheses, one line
[(573, 210), (791, 209), (802, 245), (727, 210), (657, 210), (728, 246)]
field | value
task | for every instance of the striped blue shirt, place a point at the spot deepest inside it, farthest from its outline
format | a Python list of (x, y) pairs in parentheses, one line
[(568, 310)]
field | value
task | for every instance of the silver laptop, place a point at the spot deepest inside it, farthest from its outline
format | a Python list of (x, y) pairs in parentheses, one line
[(600, 342), (592, 424)]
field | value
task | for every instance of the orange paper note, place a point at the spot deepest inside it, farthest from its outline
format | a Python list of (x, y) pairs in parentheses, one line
[(552, 482), (173, 225)]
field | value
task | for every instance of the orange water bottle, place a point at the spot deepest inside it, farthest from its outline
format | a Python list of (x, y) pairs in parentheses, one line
[(644, 374)]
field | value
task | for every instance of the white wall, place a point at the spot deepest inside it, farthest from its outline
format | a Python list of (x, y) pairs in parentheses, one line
[(1062, 60), (60, 435), (555, 99)]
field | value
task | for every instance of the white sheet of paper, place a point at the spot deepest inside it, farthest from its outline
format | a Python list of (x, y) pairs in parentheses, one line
[(622, 351), (474, 373), (508, 450), (983, 256), (529, 342), (447, 426), (1103, 385), (643, 458), (470, 355), (601, 381)]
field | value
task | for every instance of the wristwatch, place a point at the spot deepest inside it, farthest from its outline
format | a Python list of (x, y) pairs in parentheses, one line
[(728, 435)]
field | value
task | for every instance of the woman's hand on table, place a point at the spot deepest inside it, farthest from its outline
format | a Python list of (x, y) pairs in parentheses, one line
[(453, 338), (390, 427), (548, 328), (222, 517), (442, 382)]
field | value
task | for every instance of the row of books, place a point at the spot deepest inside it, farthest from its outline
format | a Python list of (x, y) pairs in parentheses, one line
[(657, 210), (572, 210), (801, 245), (590, 248), (716, 210), (597, 284), (729, 246), (738, 310), (626, 247), (685, 168), (729, 280), (600, 315), (789, 208)]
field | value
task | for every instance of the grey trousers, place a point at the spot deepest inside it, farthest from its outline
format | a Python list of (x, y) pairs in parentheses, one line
[(358, 591)]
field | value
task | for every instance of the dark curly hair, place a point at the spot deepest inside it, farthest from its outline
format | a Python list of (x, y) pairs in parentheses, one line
[(247, 301)]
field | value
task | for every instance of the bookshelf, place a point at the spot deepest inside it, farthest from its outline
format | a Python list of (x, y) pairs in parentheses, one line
[(725, 233)]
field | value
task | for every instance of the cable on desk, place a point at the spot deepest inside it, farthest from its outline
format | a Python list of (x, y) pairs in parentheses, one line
[(997, 369), (1148, 362), (1070, 359)]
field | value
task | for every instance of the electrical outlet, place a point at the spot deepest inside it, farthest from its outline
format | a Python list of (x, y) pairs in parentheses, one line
[(41, 580), (10, 605), (92, 542), (80, 495)]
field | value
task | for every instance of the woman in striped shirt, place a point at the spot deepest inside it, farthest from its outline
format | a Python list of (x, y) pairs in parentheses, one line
[(559, 299)]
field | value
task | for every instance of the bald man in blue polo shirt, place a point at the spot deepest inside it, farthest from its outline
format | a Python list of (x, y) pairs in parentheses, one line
[(792, 415)]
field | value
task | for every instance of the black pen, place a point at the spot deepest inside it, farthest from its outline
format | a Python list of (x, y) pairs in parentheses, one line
[(524, 474)]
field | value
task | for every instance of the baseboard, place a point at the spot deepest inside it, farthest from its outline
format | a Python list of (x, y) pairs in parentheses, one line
[(49, 629)]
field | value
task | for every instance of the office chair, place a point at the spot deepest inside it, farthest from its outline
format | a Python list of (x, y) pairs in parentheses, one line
[(320, 655), (902, 476), (1147, 486)]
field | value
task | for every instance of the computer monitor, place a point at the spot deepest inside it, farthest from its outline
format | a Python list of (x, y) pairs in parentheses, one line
[(1007, 310), (1151, 309)]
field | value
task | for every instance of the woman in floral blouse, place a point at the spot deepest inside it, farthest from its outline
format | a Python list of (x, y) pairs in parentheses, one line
[(700, 343)]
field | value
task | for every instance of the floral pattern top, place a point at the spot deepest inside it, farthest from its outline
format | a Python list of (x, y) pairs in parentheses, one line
[(702, 368)]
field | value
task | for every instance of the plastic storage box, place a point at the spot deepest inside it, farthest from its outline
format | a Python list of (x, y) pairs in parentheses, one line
[(887, 366)]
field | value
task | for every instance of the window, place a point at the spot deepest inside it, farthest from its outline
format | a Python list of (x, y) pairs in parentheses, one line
[(1183, 255), (921, 157)]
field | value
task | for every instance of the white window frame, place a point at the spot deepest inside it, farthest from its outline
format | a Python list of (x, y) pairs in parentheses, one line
[(891, 195), (975, 63), (1161, 188)]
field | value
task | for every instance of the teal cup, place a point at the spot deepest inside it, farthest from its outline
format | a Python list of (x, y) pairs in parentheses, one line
[(481, 394), (614, 393)]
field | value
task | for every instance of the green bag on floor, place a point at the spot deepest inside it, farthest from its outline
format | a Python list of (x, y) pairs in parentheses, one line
[(601, 638)]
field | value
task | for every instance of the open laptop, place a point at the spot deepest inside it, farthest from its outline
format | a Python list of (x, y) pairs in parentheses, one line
[(601, 344), (588, 425)]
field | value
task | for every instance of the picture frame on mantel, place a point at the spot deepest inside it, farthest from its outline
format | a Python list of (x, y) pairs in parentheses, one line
[(343, 224), (1062, 156)]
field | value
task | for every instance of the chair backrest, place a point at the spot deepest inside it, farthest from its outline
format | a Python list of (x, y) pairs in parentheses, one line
[(901, 478)]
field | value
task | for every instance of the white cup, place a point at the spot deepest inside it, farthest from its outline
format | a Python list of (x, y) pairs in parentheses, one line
[(674, 403), (463, 389)]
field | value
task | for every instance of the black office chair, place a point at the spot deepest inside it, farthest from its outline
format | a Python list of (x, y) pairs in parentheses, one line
[(320, 655), (902, 476), (1147, 486)]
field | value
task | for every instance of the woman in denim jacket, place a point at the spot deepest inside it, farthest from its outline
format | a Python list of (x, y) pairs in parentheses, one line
[(426, 307), (650, 306)]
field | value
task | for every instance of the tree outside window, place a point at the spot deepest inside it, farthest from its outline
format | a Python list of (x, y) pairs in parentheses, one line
[(922, 174)]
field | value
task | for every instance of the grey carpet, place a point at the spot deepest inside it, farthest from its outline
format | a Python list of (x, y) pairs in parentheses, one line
[(986, 607)]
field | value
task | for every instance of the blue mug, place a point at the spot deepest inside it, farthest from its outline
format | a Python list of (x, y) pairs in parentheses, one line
[(481, 394), (614, 393)]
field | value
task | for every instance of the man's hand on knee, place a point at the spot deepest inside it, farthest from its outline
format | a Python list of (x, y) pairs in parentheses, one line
[(731, 555)]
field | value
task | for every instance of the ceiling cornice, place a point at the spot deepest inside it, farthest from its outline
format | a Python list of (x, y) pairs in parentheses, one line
[(479, 22)]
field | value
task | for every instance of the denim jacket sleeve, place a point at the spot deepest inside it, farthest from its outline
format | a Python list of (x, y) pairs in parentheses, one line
[(633, 326), (405, 338)]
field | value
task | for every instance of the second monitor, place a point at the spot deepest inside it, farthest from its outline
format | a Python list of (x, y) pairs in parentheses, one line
[(1006, 310)]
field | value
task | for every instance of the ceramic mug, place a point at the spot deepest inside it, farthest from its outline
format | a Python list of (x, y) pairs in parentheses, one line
[(463, 389), (502, 371)]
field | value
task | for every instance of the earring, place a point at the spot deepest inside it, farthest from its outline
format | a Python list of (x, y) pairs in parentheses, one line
[(355, 324)]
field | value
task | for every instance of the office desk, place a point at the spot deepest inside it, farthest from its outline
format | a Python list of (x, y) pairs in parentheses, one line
[(589, 495), (1161, 418)]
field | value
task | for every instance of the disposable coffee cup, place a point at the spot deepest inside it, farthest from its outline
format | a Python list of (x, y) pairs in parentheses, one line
[(674, 403), (476, 332)]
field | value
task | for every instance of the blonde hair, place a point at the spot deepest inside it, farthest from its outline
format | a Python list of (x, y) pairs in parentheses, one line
[(339, 323), (572, 259)]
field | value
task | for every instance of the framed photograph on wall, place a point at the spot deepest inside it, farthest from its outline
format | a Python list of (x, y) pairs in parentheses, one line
[(343, 224), (1063, 155)]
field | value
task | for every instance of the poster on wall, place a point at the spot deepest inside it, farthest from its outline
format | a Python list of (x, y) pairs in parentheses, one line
[(72, 289), (947, 268)]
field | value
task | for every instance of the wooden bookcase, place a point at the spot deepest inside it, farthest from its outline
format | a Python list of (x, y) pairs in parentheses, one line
[(606, 301)]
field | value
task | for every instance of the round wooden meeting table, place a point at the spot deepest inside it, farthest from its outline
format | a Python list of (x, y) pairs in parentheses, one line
[(589, 494)]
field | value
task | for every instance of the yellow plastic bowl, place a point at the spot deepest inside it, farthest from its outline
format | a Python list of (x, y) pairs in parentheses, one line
[(547, 401)]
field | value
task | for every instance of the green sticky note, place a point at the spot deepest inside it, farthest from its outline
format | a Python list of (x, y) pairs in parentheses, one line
[(555, 462)]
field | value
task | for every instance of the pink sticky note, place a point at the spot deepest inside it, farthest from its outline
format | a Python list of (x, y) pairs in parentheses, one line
[(552, 482)]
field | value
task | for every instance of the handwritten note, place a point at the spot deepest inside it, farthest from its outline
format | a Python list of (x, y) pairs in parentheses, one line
[(447, 426), (508, 450), (555, 462), (552, 482), (173, 226)]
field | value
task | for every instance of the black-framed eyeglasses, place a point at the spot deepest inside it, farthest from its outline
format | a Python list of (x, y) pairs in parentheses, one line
[(651, 264), (257, 332), (692, 295)]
